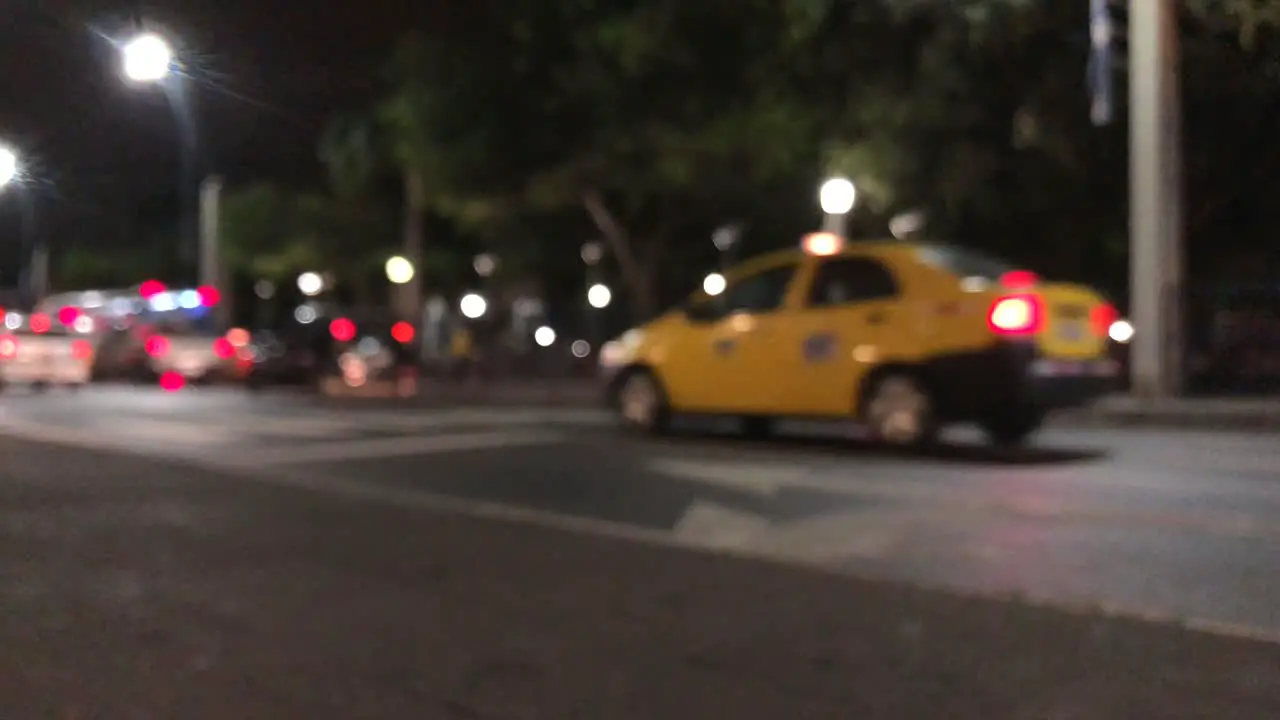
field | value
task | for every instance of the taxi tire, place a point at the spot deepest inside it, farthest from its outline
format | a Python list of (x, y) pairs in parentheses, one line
[(659, 421), (1012, 428), (900, 381), (758, 427)]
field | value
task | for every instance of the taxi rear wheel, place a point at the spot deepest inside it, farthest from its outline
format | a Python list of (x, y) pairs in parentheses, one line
[(642, 403), (899, 411)]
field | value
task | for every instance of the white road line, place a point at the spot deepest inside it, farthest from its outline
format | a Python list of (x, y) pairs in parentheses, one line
[(716, 526), (384, 448), (754, 478), (768, 479)]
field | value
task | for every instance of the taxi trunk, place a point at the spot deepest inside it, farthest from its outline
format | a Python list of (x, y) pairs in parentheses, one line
[(1075, 323), (1061, 332)]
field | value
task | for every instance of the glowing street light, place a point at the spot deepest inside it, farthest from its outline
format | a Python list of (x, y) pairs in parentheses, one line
[(599, 296), (713, 284), (147, 58), (310, 284), (485, 264), (472, 306), (837, 197), (8, 166), (544, 336), (399, 270)]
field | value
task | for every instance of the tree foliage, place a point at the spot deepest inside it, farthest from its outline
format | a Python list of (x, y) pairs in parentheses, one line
[(530, 127)]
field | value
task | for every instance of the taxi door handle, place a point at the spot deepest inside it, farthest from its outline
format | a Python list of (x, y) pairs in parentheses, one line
[(877, 318)]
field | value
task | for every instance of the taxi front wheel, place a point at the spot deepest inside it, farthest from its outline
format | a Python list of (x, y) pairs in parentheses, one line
[(899, 411), (642, 403)]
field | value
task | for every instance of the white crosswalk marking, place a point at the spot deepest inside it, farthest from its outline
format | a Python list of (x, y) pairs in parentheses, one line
[(386, 448), (256, 440)]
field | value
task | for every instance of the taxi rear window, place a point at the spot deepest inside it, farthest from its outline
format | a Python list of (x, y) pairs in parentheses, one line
[(963, 262)]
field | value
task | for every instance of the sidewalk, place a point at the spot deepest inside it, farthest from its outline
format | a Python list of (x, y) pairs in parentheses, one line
[(1123, 410), (1254, 413)]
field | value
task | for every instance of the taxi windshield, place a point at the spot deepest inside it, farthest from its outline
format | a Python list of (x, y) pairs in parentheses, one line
[(963, 262)]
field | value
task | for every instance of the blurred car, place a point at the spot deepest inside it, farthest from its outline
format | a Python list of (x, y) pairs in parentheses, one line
[(39, 352), (371, 355), (196, 357), (903, 337), (291, 357), (121, 355)]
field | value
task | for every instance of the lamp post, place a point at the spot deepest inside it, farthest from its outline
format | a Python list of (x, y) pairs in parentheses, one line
[(1155, 199), (837, 197), (35, 275), (150, 59)]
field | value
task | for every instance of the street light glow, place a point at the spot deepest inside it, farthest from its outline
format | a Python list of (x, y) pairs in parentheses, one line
[(8, 166), (544, 336), (310, 284), (472, 306), (837, 196), (713, 284), (147, 58), (599, 296), (399, 270)]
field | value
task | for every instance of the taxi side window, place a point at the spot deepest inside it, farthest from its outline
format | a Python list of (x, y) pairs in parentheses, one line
[(844, 281), (763, 292)]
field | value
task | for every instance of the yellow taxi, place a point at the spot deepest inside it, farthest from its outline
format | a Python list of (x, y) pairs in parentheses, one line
[(904, 337)]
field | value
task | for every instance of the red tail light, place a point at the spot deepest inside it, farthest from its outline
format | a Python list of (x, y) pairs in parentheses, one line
[(81, 350), (157, 346), (1019, 279), (223, 348), (1015, 315), (172, 381), (40, 323), (8, 347), (1101, 319), (402, 332), (342, 330)]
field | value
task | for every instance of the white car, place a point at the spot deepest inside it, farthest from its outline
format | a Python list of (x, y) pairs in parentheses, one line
[(42, 353), (194, 357)]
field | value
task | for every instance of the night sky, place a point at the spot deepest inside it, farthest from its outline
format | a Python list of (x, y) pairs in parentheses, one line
[(267, 74)]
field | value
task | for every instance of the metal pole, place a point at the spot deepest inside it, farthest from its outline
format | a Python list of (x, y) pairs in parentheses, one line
[(1155, 177), (210, 265), (837, 223)]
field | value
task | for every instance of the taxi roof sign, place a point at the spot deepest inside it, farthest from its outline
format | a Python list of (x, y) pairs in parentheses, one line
[(822, 243)]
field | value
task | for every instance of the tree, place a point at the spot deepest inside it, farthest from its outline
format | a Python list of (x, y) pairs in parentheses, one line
[(549, 107), (259, 224)]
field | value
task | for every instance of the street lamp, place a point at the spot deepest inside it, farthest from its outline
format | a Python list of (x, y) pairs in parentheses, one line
[(147, 58), (310, 284), (599, 296), (472, 306), (8, 166), (837, 196), (485, 264), (399, 270), (544, 336), (713, 284)]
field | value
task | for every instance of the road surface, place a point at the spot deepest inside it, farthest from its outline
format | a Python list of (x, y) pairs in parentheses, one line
[(210, 554)]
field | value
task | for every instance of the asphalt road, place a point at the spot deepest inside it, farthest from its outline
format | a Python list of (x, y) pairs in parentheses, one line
[(214, 555), (1162, 523)]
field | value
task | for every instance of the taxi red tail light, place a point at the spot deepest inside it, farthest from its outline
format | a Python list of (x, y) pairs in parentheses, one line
[(1019, 279), (82, 350), (1016, 315), (157, 346), (1101, 319), (8, 347)]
